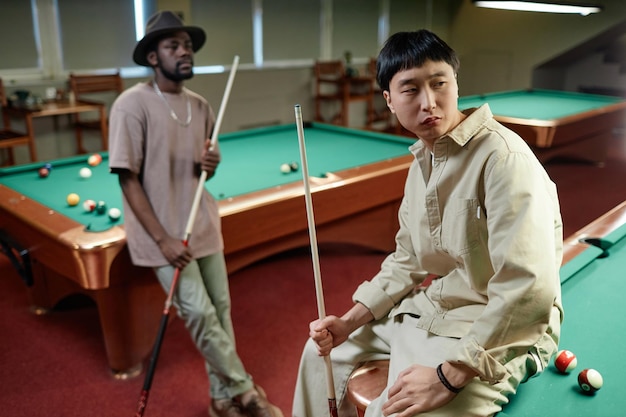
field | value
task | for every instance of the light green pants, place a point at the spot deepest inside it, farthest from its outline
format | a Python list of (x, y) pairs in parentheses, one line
[(404, 344), (202, 299)]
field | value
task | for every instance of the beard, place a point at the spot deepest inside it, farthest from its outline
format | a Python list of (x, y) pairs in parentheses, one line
[(177, 75)]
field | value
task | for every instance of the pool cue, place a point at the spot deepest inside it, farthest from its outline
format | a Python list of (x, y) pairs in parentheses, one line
[(143, 399), (330, 383)]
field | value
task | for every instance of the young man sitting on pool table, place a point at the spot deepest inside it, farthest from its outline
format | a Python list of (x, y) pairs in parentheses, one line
[(479, 213)]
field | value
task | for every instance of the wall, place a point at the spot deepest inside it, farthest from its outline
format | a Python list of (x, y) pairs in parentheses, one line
[(498, 51)]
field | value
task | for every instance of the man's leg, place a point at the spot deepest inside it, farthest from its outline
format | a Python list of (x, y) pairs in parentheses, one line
[(215, 278), (228, 378), (411, 345), (370, 342)]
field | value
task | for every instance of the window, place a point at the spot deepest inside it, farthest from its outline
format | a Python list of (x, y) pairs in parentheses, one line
[(49, 38), (19, 48), (90, 43)]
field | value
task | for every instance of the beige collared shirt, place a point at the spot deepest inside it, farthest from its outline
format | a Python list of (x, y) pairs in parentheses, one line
[(482, 214)]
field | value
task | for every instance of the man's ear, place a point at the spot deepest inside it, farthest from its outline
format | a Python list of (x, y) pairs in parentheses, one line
[(152, 58), (387, 97)]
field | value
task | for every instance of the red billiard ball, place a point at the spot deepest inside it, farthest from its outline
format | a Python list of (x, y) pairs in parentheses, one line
[(89, 205), (590, 381), (565, 361), (44, 172)]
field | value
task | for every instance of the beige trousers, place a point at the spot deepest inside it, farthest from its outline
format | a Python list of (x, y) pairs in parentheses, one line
[(202, 299), (404, 344)]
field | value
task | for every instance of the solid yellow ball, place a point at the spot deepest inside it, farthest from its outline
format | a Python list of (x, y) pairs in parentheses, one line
[(73, 199)]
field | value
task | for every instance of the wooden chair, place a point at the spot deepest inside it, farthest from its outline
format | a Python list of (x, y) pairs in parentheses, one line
[(333, 85), (83, 87), (366, 383), (10, 138)]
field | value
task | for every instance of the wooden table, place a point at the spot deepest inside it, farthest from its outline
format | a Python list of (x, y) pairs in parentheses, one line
[(57, 108)]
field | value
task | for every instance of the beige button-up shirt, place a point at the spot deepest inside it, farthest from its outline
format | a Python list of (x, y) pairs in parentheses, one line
[(481, 213)]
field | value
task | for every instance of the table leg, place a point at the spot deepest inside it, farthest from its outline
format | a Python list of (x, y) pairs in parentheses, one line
[(129, 310), (30, 130), (129, 316), (104, 129)]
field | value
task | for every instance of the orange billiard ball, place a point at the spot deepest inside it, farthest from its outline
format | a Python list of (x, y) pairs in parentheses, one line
[(94, 160)]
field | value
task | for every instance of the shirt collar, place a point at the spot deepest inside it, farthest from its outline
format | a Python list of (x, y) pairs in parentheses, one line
[(475, 120), (464, 131)]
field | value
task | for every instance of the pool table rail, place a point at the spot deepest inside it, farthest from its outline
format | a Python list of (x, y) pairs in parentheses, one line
[(355, 206), (600, 227), (60, 242)]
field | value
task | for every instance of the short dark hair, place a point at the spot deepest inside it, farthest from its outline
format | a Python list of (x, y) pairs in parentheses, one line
[(405, 50)]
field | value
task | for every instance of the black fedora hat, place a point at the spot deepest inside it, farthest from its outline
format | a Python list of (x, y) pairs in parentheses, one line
[(160, 24)]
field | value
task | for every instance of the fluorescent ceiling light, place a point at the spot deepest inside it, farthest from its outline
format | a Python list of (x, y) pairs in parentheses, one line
[(536, 6)]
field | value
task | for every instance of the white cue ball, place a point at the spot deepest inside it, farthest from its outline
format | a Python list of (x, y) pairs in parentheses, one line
[(285, 168), (114, 214), (85, 172)]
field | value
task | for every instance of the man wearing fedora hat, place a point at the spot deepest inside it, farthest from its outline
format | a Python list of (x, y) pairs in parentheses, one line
[(159, 144)]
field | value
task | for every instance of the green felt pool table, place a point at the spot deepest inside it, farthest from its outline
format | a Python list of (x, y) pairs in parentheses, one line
[(357, 180), (593, 288), (555, 124)]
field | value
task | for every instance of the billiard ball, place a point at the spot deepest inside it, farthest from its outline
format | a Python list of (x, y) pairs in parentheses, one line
[(114, 214), (48, 166), (565, 361), (73, 199), (44, 172), (85, 172), (294, 166), (101, 207), (89, 205), (285, 168), (590, 380), (94, 160)]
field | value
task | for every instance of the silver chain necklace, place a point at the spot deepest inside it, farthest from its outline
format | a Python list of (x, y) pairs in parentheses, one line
[(172, 112)]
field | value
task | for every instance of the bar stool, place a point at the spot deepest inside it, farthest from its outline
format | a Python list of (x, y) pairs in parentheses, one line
[(366, 383)]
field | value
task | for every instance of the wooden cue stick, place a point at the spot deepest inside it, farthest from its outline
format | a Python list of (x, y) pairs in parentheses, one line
[(143, 398), (330, 383), (216, 130)]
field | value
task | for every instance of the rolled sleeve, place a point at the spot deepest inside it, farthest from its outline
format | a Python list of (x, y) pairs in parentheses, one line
[(377, 301), (472, 354)]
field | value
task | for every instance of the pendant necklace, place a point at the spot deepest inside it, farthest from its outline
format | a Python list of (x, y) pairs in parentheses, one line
[(172, 113)]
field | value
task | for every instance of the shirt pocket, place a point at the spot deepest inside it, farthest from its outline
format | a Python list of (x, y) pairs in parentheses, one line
[(460, 225)]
